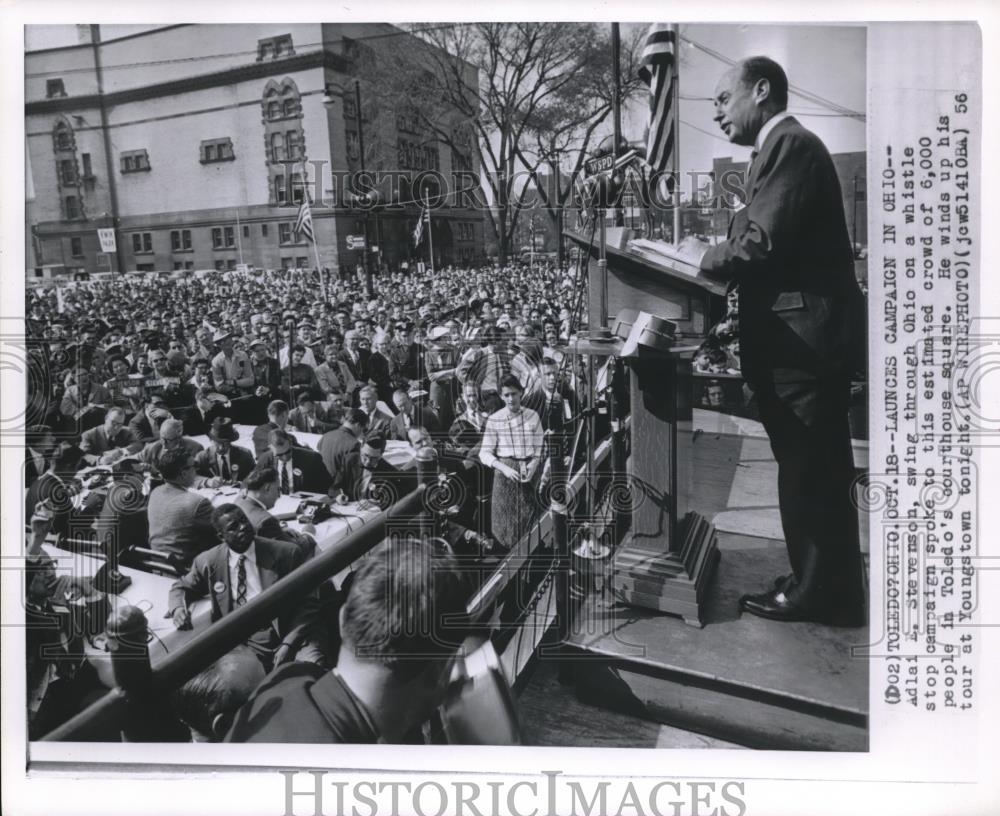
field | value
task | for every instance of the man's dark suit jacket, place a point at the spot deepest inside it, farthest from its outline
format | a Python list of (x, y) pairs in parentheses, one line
[(334, 448), (206, 462), (415, 369), (359, 369), (198, 424), (144, 430), (267, 526), (422, 418), (260, 434), (314, 478), (801, 311), (386, 487), (209, 577), (269, 375), (379, 372), (300, 422)]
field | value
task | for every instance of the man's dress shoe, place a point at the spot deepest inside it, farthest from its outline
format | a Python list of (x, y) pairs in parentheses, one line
[(774, 606)]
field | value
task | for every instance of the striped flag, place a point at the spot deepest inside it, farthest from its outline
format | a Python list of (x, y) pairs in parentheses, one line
[(304, 221), (656, 71), (418, 233)]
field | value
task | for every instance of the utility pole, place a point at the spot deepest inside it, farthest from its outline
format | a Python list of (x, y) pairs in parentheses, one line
[(95, 41), (369, 285)]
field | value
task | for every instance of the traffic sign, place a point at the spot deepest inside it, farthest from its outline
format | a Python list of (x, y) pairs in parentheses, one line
[(355, 241), (599, 165), (107, 239)]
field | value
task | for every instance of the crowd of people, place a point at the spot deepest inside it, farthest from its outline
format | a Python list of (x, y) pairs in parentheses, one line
[(137, 384)]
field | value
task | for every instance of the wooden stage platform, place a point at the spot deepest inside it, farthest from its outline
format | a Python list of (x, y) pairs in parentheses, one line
[(742, 680)]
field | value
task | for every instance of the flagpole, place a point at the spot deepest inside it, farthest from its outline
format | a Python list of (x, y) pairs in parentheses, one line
[(315, 243), (430, 232), (675, 158), (319, 269)]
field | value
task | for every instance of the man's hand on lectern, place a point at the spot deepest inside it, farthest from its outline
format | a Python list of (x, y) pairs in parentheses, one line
[(692, 250)]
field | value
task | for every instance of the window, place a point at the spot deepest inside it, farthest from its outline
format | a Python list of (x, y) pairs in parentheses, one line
[(220, 265), (293, 144), (76, 247), (180, 240), (178, 265), (142, 242), (284, 233), (302, 263), (286, 263), (217, 150), (54, 88), (274, 109), (189, 264), (280, 190), (67, 172), (145, 267), (246, 231), (277, 147), (263, 230), (72, 207), (274, 47), (64, 137), (291, 107), (298, 188), (231, 264), (134, 161), (223, 238), (88, 171)]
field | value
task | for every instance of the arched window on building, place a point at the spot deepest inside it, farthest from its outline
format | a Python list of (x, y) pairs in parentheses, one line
[(284, 137)]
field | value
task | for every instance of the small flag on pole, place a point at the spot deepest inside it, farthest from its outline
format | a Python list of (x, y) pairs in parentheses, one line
[(304, 221), (418, 233), (656, 71)]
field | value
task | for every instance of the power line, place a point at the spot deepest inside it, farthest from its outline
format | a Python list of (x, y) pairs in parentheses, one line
[(178, 60), (798, 91)]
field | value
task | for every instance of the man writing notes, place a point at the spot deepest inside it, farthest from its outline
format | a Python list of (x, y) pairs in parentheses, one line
[(802, 332)]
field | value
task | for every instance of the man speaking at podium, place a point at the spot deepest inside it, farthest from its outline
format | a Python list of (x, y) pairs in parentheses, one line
[(802, 337)]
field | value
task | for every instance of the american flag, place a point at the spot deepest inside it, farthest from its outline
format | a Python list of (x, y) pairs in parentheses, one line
[(304, 221), (657, 71), (418, 233)]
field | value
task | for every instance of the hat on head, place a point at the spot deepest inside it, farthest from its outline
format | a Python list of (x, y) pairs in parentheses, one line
[(256, 343), (222, 428), (373, 445), (221, 335), (437, 333)]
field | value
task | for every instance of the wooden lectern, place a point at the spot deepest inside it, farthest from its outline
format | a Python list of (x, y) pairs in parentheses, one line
[(669, 553)]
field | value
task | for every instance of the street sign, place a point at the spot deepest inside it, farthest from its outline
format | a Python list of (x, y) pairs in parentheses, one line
[(599, 165), (107, 239), (355, 241)]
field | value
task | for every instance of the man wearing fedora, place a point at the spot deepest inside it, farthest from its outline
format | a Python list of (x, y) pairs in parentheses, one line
[(222, 459)]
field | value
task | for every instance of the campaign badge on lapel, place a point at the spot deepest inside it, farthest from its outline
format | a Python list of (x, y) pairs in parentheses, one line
[(219, 588)]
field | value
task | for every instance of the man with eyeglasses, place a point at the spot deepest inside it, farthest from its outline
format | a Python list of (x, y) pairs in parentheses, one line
[(171, 438), (299, 469)]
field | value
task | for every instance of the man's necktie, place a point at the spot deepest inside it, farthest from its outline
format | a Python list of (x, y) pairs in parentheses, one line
[(284, 479), (753, 158), (225, 468), (241, 581)]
